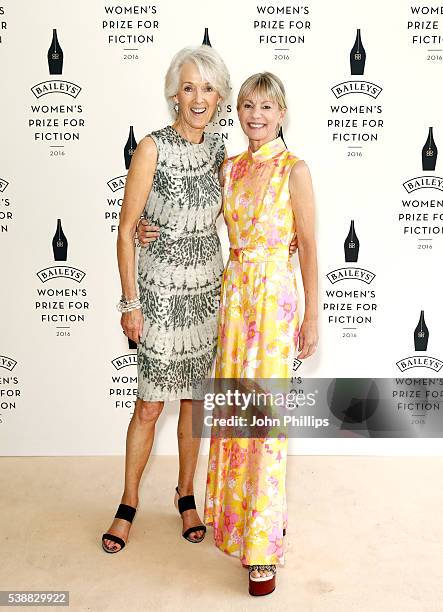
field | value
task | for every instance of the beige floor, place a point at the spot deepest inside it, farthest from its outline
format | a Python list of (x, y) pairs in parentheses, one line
[(365, 534)]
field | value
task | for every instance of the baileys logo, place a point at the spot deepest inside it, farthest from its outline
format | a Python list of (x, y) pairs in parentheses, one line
[(421, 338), (351, 251), (60, 252), (123, 361), (429, 155), (119, 182), (7, 363), (55, 64), (357, 66)]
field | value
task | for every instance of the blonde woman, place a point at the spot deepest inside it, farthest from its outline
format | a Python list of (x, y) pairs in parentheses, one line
[(173, 180), (267, 195)]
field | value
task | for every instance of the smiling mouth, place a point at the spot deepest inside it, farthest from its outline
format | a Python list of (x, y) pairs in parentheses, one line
[(198, 111), (256, 126)]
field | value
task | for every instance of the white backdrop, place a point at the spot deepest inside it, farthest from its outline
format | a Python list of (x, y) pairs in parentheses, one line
[(63, 390)]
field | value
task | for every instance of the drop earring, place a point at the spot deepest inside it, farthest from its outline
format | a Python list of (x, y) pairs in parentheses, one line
[(176, 107), (219, 108)]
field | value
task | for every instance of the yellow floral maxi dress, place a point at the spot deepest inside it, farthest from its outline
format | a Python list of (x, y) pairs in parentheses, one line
[(257, 337)]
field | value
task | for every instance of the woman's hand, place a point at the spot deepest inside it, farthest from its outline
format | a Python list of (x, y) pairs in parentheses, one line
[(293, 245), (132, 324), (308, 338), (146, 233)]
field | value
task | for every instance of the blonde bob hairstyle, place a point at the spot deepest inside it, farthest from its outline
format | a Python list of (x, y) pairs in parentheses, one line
[(265, 84), (210, 65)]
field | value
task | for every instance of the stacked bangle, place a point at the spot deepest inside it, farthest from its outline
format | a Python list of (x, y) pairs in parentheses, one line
[(127, 305)]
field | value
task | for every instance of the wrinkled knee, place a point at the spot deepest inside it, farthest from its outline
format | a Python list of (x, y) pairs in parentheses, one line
[(148, 412)]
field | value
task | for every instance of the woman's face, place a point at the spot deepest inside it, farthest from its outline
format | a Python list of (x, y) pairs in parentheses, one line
[(197, 99), (260, 117)]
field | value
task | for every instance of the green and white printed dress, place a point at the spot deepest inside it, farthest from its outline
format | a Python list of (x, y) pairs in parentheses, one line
[(179, 273)]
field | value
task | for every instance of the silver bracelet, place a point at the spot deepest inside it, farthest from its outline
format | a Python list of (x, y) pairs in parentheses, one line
[(125, 308), (123, 299), (127, 305), (128, 308)]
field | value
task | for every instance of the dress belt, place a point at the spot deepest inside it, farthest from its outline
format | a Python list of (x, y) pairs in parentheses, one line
[(259, 254)]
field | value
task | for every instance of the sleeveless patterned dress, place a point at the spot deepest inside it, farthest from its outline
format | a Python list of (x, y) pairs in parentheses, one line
[(257, 338), (179, 273)]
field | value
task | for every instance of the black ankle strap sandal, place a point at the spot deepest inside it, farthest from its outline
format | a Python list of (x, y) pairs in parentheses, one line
[(187, 502), (123, 512)]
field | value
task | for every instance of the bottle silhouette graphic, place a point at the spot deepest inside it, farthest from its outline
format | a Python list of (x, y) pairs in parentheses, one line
[(130, 147), (358, 56), (429, 152), (55, 55), (280, 135), (352, 244), (206, 40), (421, 334), (59, 243), (132, 344)]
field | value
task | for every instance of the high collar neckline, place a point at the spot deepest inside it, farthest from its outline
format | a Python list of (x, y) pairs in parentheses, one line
[(268, 150)]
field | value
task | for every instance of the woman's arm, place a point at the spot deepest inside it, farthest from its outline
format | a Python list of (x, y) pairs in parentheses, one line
[(138, 185), (302, 201)]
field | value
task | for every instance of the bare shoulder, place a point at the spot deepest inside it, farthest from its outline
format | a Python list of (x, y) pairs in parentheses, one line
[(144, 159), (147, 147), (300, 181), (300, 169)]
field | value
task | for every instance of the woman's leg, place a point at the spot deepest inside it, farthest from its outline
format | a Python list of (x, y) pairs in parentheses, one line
[(139, 440), (188, 448)]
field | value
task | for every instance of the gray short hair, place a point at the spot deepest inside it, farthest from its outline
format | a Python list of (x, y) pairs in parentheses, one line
[(210, 65)]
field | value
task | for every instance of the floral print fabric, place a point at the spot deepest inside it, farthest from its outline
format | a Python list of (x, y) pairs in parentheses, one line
[(257, 337)]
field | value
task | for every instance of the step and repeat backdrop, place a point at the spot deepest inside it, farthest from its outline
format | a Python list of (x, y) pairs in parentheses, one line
[(82, 83)]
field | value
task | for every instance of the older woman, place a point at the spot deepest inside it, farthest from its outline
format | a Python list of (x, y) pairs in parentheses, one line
[(173, 178), (267, 194)]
